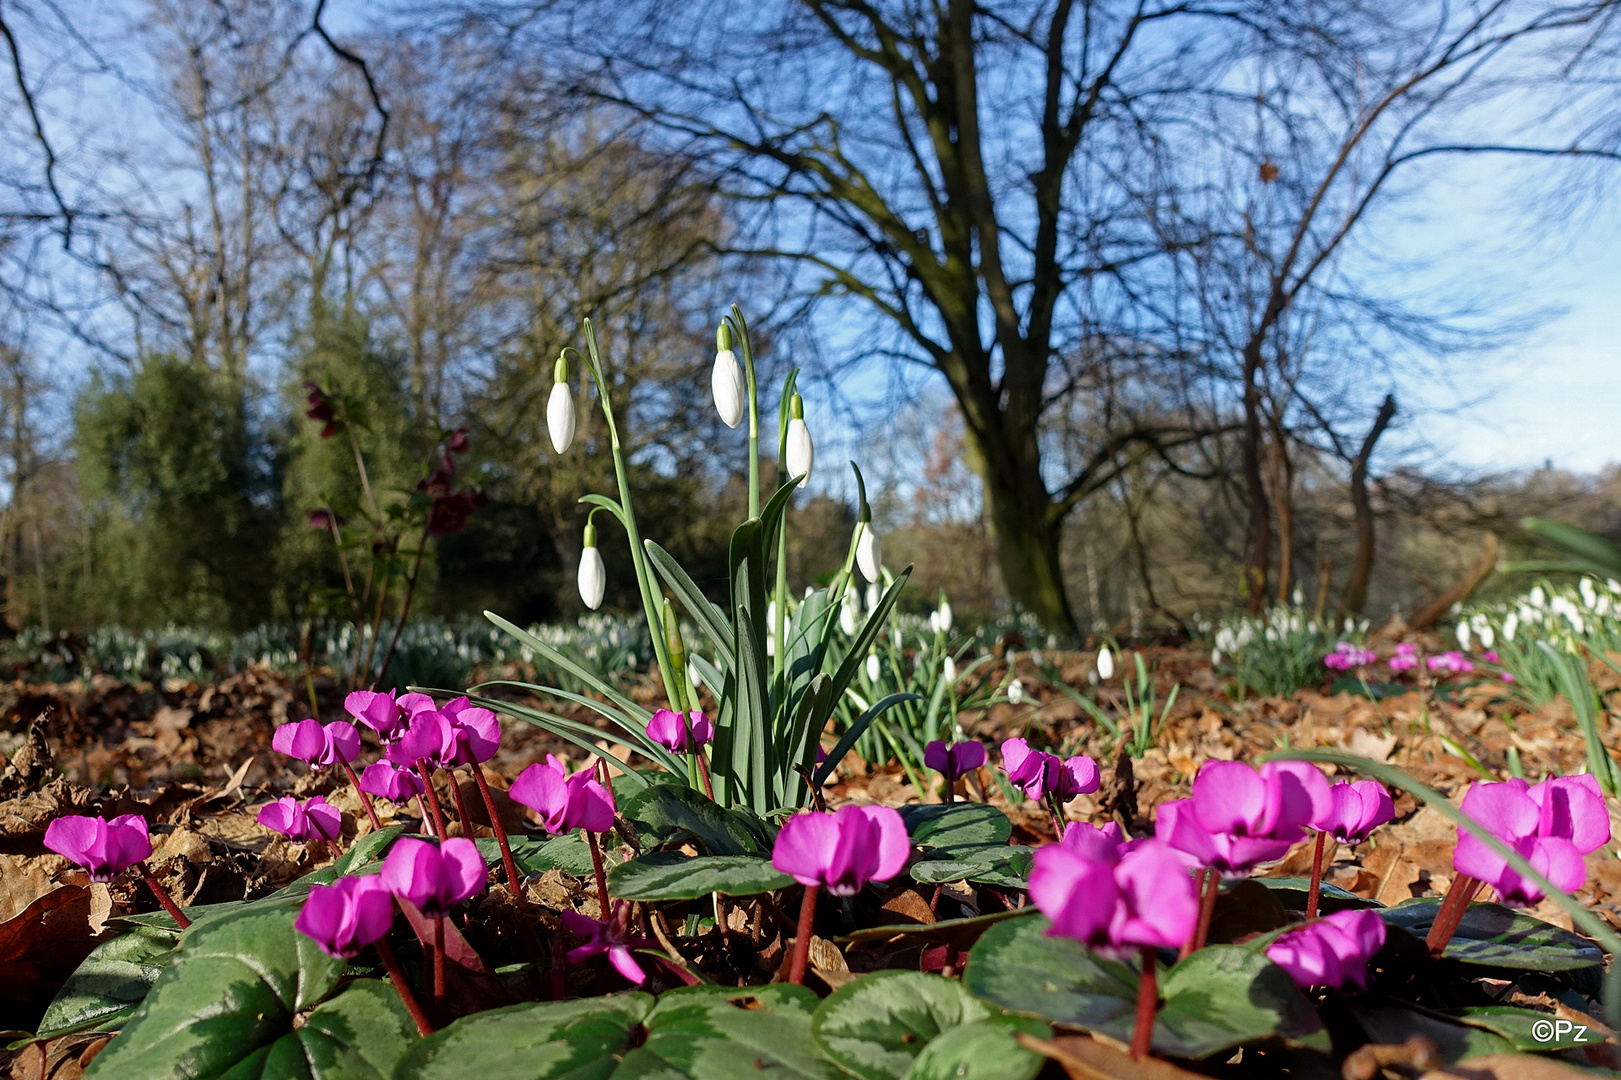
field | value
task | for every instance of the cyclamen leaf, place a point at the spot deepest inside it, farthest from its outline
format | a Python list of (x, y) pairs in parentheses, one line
[(668, 875), (983, 1050), (952, 825), (111, 981), (879, 1025), (1491, 935), (663, 813)]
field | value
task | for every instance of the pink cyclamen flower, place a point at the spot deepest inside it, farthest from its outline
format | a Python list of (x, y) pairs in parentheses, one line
[(1406, 657), (564, 801), (1333, 951), (956, 760), (1491, 657), (321, 745), (1355, 810), (1552, 824), (669, 731), (1452, 662), (414, 702), (1097, 841), (1239, 817), (396, 783), (1114, 903), (421, 738), (612, 937), (472, 734), (313, 819), (380, 712), (1038, 773), (435, 878), (844, 850), (104, 848), (344, 917), (1347, 656)]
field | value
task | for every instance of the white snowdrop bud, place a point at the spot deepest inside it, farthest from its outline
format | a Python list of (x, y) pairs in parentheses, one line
[(895, 636), (875, 593), (873, 667), (869, 557), (1105, 663), (560, 410), (849, 610), (1488, 636), (801, 454), (1015, 692), (934, 622), (1510, 626), (948, 669), (1463, 636), (726, 381), (593, 575), (945, 614)]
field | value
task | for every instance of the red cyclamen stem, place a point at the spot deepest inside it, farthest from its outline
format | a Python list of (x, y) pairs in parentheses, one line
[(461, 806), (1211, 887), (1316, 876), (507, 862), (703, 772), (602, 875), (1142, 1034), (433, 800), (396, 975), (163, 897), (802, 936), (365, 800), (1451, 913), (439, 965), (1193, 935)]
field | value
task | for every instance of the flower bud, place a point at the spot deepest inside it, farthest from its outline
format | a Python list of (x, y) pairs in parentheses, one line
[(1015, 692), (849, 610), (726, 380), (944, 611), (801, 454), (874, 669), (948, 669), (869, 558), (1105, 663), (560, 410), (593, 575), (875, 593)]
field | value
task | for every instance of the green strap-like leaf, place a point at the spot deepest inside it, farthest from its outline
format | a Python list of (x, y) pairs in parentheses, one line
[(710, 619), (580, 672), (855, 731)]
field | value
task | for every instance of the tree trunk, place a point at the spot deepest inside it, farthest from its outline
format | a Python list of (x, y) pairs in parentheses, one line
[(1356, 590), (1018, 510), (1259, 547)]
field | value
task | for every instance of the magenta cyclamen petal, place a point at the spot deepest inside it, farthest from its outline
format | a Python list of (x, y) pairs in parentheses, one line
[(1333, 951), (342, 741), (1355, 810), (388, 781), (1301, 791), (305, 740), (1572, 808), (380, 712), (435, 879), (104, 848), (956, 760), (1229, 797), (1115, 903), (842, 851), (346, 916), (544, 790), (1159, 902)]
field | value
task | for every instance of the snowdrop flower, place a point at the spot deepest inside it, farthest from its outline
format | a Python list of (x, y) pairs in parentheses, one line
[(1511, 625), (1589, 594), (726, 381), (1488, 636), (1215, 657), (1015, 692), (875, 593), (934, 622), (849, 610), (895, 637), (873, 667), (869, 554), (948, 669), (1105, 664), (1463, 636), (560, 409), (1539, 599), (801, 453), (593, 576), (944, 611)]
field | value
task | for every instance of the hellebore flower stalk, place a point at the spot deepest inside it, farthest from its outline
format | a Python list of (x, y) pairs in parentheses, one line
[(840, 852), (1553, 825), (322, 745), (344, 917), (1116, 904), (108, 848), (560, 418), (953, 762), (1332, 952)]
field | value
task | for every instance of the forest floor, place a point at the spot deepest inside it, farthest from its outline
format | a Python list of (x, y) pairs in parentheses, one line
[(196, 761)]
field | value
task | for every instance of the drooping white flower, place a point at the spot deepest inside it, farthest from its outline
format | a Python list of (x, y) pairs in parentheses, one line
[(560, 417), (726, 380), (1463, 636), (944, 611), (1487, 636), (849, 611), (593, 576), (1105, 663), (874, 669), (948, 669), (869, 557), (1589, 594), (875, 593), (801, 453), (895, 636), (1015, 692), (1510, 626)]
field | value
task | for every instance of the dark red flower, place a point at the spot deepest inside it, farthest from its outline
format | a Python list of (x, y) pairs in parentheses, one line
[(457, 443), (326, 519), (449, 513)]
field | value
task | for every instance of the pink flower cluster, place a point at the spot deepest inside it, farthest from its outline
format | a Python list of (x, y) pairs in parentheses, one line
[(1553, 824), (1347, 656), (1333, 951), (1406, 657), (565, 801), (1114, 897), (353, 912), (1451, 662), (1038, 773)]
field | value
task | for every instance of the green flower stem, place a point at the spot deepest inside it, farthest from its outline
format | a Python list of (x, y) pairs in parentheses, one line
[(627, 514), (1590, 924), (747, 349)]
